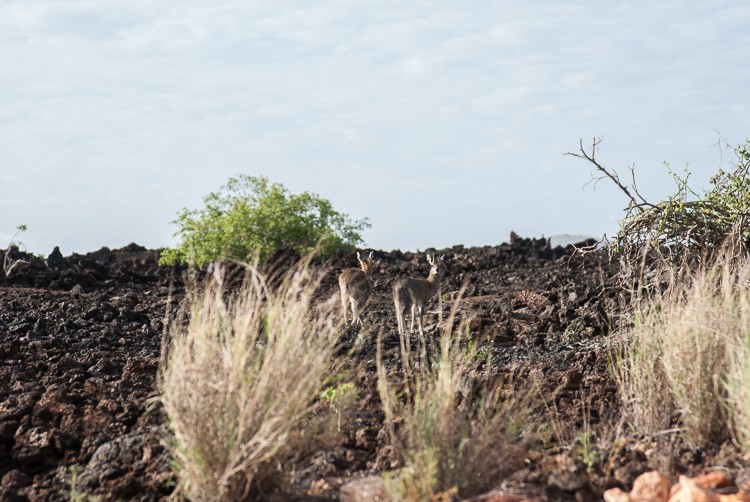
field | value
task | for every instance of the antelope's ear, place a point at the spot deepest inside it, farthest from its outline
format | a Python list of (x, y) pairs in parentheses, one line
[(441, 258), (370, 255), (429, 259), (358, 258)]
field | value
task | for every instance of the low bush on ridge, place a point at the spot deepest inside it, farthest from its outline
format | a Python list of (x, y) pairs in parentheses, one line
[(250, 216)]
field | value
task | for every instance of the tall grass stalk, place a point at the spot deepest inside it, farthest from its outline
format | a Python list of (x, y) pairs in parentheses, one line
[(638, 371), (697, 326), (240, 376), (453, 433)]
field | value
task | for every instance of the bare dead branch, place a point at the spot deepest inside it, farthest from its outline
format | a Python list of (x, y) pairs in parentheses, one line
[(635, 187), (611, 175)]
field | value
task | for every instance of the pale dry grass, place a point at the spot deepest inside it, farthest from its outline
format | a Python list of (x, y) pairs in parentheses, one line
[(637, 369), (453, 434), (680, 355), (738, 374), (696, 327), (241, 375)]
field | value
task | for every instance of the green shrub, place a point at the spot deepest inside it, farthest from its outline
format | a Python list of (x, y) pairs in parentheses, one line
[(250, 215)]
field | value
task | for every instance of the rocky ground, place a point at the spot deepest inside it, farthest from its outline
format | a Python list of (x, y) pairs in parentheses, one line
[(80, 340)]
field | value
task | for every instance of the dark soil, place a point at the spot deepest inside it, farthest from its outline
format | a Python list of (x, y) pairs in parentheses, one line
[(80, 341)]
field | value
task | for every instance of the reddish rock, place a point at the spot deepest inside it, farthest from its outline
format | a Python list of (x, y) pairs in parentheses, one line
[(687, 491), (15, 479), (652, 486), (713, 480), (616, 495), (735, 497)]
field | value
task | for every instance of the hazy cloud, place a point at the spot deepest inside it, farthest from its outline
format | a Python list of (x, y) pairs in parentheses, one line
[(442, 122)]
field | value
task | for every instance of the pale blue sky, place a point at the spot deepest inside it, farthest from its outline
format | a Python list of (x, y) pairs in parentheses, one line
[(443, 121)]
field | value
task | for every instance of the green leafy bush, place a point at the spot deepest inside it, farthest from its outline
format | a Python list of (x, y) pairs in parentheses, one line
[(252, 215)]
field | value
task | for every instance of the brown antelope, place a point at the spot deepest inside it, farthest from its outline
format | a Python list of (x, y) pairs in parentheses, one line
[(413, 294), (356, 286)]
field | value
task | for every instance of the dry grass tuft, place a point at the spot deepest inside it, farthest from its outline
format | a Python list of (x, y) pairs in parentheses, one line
[(680, 353), (241, 375), (738, 374), (638, 371), (454, 435)]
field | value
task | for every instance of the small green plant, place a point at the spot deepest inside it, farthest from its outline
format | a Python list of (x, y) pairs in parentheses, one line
[(73, 494), (250, 215), (339, 399), (586, 449), (478, 352)]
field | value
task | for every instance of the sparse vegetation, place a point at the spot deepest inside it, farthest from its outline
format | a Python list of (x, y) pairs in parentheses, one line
[(241, 376), (252, 216), (686, 352), (264, 400), (685, 323), (681, 365), (9, 262), (735, 293), (457, 435), (340, 399), (636, 367), (690, 225), (74, 494)]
